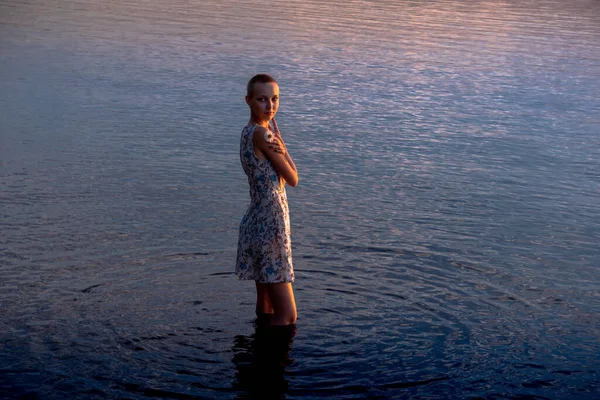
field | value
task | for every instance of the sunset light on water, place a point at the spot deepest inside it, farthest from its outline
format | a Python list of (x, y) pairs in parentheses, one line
[(445, 225)]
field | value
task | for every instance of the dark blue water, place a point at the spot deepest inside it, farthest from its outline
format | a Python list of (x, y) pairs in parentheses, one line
[(445, 229)]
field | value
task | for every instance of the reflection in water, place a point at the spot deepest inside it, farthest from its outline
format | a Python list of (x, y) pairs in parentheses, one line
[(261, 360)]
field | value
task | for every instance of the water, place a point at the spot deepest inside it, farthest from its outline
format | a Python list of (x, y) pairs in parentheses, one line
[(445, 227)]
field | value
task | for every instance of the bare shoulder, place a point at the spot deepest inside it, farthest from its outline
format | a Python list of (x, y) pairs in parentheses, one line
[(260, 131), (262, 135)]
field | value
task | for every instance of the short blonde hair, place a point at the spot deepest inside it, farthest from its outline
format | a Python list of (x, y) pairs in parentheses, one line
[(260, 78)]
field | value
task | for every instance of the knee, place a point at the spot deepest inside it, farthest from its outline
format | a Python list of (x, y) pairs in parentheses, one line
[(291, 315), (285, 317), (291, 319)]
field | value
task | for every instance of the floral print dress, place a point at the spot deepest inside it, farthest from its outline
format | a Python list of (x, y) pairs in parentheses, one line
[(264, 246)]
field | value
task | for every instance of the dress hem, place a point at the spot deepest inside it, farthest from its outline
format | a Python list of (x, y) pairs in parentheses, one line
[(259, 281)]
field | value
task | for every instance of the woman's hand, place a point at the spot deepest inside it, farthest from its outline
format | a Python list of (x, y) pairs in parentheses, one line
[(277, 145), (276, 127)]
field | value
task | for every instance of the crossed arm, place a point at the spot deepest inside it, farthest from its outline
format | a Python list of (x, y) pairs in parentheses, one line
[(277, 153)]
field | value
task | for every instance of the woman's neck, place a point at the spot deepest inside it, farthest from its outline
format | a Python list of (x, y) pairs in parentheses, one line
[(264, 124)]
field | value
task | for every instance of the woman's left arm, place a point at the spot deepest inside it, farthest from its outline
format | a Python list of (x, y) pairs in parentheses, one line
[(288, 158)]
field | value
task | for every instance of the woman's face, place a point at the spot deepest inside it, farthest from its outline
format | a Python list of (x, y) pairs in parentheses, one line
[(264, 101)]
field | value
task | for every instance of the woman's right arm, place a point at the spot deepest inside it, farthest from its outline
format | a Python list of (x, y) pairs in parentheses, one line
[(276, 153)]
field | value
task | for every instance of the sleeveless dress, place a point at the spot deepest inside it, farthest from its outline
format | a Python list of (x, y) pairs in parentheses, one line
[(264, 251)]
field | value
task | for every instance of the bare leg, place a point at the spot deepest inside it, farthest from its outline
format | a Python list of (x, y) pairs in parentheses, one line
[(264, 307), (283, 302)]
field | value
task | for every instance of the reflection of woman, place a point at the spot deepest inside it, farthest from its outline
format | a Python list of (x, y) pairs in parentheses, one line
[(261, 360)]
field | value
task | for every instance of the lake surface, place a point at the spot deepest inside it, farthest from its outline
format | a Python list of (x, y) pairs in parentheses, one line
[(446, 227)]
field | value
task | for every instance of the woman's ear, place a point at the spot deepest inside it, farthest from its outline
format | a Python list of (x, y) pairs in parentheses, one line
[(247, 100)]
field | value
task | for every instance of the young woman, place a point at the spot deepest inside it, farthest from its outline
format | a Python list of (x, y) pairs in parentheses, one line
[(264, 247)]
